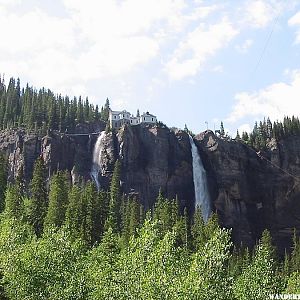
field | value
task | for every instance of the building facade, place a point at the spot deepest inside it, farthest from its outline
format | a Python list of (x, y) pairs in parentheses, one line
[(120, 118)]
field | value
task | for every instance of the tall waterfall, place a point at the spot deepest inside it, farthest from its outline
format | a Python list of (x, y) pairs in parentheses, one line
[(96, 166), (202, 197)]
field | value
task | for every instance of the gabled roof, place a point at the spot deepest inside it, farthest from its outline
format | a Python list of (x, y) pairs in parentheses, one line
[(116, 112), (147, 114)]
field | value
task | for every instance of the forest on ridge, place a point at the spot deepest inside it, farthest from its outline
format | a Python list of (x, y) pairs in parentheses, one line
[(64, 241)]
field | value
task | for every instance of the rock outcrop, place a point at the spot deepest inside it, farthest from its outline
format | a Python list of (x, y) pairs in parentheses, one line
[(249, 191), (253, 191)]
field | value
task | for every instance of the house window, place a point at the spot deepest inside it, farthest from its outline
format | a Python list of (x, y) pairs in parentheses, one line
[(144, 118), (123, 116), (115, 117), (130, 121), (152, 119)]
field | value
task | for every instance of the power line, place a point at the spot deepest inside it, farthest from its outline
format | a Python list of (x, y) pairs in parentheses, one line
[(266, 44), (274, 165)]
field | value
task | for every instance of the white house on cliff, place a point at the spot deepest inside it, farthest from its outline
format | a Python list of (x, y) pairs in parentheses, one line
[(119, 118)]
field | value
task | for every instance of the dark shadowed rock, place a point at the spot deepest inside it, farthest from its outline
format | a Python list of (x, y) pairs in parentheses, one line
[(249, 191), (156, 158)]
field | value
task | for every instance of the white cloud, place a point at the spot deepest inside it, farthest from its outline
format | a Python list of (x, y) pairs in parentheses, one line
[(260, 13), (274, 101), (9, 2), (243, 48), (199, 45), (244, 128), (218, 69), (91, 40), (295, 21)]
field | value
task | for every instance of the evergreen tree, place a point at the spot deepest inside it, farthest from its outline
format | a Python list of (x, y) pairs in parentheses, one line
[(90, 210), (74, 212), (222, 130), (103, 200), (14, 207), (38, 200), (245, 137), (3, 180), (113, 220), (295, 256), (134, 216), (58, 197), (105, 111), (97, 114), (260, 278), (199, 237), (79, 113)]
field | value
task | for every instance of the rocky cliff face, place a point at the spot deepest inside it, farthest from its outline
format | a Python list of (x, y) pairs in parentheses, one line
[(248, 192), (59, 151)]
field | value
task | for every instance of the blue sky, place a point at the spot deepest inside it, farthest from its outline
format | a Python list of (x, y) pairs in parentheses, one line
[(188, 62)]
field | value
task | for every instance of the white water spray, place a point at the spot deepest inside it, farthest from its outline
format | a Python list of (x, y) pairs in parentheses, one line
[(202, 197), (96, 166)]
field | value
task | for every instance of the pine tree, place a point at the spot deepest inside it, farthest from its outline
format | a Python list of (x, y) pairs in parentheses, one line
[(89, 214), (260, 278), (113, 220), (74, 212), (295, 256), (103, 200), (222, 131), (105, 111), (58, 197), (97, 114), (14, 207), (245, 137), (3, 180), (134, 216), (198, 230), (79, 113), (38, 200)]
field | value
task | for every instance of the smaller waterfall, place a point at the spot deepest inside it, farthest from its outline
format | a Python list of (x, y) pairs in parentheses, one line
[(202, 197), (96, 166)]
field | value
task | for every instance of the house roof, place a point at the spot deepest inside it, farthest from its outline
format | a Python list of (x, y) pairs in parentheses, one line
[(147, 114)]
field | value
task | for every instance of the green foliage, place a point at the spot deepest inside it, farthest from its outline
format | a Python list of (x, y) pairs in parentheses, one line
[(222, 130), (48, 268), (165, 212), (38, 201), (295, 256), (14, 206), (263, 132), (58, 201), (41, 109), (74, 212), (105, 111), (98, 245), (3, 180), (208, 278), (102, 268), (293, 285), (114, 218), (260, 278), (86, 213)]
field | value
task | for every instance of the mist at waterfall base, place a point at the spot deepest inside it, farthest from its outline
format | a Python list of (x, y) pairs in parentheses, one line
[(96, 166), (202, 197)]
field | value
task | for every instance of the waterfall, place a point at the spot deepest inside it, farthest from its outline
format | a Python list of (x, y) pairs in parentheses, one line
[(96, 166), (202, 197)]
